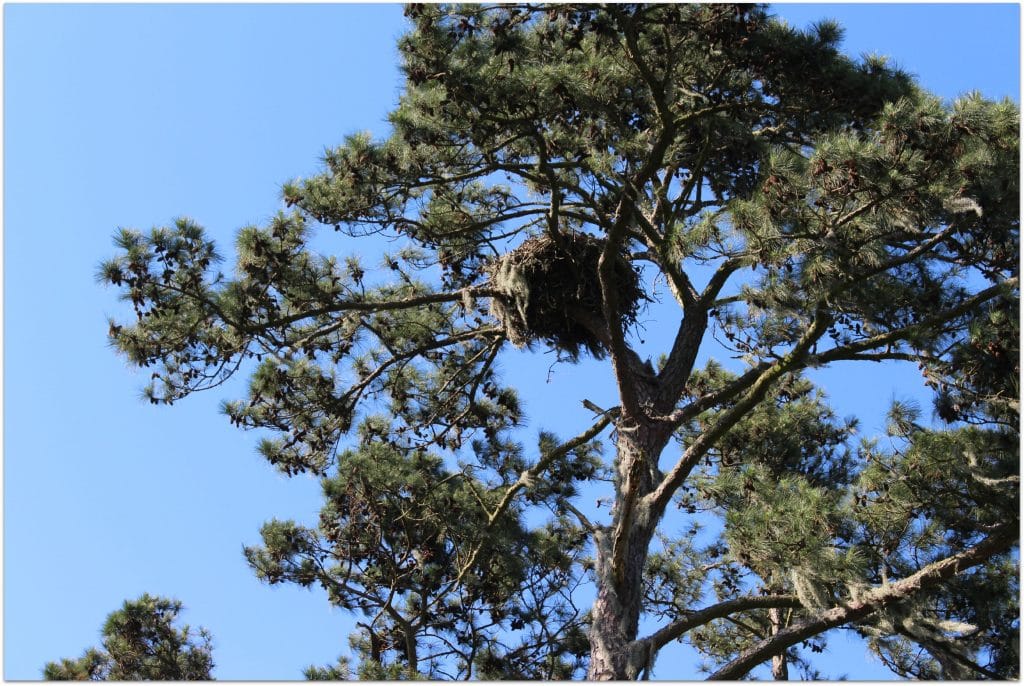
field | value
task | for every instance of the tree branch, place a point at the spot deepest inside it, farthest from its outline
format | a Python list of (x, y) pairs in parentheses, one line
[(854, 349), (380, 306), (758, 378), (679, 627), (618, 350), (673, 377), (659, 498), (626, 210), (926, 578), (676, 372), (525, 479)]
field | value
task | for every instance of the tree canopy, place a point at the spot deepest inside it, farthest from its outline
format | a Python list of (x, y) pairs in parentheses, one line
[(141, 643), (552, 173)]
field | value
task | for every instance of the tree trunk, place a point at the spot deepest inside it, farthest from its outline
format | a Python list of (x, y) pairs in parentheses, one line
[(620, 555), (614, 619), (780, 667)]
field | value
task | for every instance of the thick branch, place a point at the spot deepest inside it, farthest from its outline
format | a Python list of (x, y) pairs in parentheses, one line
[(889, 594), (679, 627), (660, 497), (673, 377), (679, 366), (625, 212), (718, 279), (619, 351), (722, 395)]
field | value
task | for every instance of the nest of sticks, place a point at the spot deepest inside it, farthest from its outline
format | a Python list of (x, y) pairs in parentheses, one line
[(551, 292)]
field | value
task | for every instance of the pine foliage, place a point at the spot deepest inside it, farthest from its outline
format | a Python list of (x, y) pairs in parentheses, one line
[(141, 643)]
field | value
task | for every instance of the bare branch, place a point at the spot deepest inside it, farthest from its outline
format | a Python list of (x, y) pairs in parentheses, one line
[(524, 480), (544, 462), (673, 377)]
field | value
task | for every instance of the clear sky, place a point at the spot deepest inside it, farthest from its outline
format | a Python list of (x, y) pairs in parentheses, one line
[(131, 115)]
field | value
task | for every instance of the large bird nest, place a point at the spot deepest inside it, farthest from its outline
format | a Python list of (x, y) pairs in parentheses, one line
[(552, 293)]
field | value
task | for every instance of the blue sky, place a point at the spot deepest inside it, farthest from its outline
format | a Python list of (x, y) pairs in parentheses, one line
[(131, 115)]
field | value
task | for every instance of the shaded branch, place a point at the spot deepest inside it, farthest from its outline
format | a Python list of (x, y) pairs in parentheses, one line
[(853, 350), (676, 372), (626, 210), (682, 357)]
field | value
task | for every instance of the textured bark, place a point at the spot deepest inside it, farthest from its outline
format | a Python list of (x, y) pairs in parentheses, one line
[(621, 552)]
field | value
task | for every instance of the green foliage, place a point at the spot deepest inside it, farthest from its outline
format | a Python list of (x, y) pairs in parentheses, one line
[(92, 666), (980, 382), (341, 671), (549, 168), (140, 643), (940, 492), (411, 547), (806, 513)]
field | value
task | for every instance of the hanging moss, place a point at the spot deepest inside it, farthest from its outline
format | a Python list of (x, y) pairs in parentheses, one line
[(552, 293)]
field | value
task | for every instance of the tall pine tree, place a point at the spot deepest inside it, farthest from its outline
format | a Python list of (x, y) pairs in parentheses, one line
[(550, 169)]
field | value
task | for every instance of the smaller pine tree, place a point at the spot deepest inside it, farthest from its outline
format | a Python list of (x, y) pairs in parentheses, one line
[(140, 643)]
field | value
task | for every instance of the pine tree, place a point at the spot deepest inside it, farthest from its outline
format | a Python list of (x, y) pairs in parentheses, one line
[(140, 643), (551, 171)]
